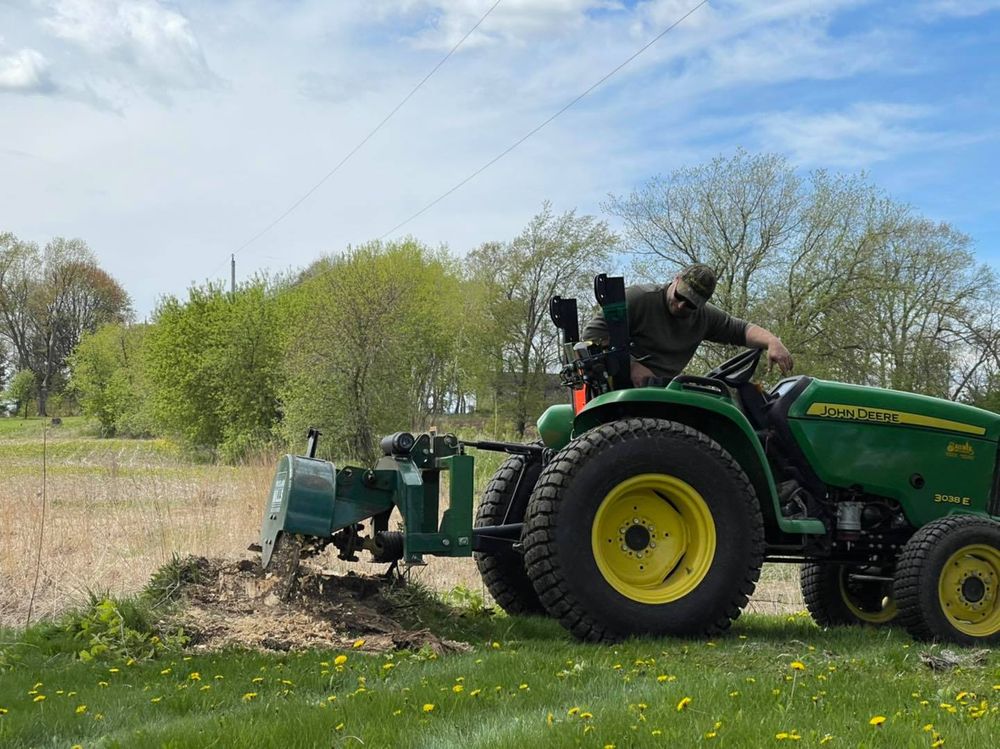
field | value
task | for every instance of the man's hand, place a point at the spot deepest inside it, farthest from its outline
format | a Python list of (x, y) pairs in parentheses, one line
[(778, 354), (640, 372)]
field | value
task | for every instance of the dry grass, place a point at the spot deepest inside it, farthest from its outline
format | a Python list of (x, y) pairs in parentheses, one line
[(116, 510)]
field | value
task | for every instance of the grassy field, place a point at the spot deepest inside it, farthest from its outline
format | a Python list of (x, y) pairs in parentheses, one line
[(80, 514), (117, 510), (772, 681)]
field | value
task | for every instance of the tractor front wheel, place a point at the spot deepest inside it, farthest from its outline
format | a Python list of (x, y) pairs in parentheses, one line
[(504, 501), (643, 526), (948, 581), (838, 594)]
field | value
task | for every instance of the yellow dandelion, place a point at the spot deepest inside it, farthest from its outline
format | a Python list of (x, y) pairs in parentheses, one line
[(340, 660), (523, 686), (550, 719), (573, 711), (735, 693), (428, 707), (711, 735), (102, 683), (781, 736), (39, 698), (877, 721), (218, 677), (827, 738), (257, 680), (939, 742), (458, 689), (797, 666), (3, 711), (475, 692), (609, 746), (656, 732), (205, 688), (682, 705), (113, 670), (194, 676), (154, 700), (165, 671), (388, 666), (249, 696), (495, 645), (76, 746), (586, 716), (81, 709)]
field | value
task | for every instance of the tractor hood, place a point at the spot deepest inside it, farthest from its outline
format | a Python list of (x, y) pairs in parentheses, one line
[(857, 404)]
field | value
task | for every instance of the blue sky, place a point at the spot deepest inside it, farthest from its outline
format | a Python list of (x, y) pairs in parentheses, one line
[(166, 134)]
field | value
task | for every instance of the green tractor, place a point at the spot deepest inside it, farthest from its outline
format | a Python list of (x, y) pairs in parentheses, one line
[(650, 510)]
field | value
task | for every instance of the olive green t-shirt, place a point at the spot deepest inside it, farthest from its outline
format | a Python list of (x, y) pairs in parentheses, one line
[(668, 342)]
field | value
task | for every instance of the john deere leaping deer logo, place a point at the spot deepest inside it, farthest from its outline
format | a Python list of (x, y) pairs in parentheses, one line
[(963, 450)]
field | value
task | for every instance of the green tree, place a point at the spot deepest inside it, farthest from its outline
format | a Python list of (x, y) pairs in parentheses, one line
[(212, 364), (553, 255), (108, 378), (371, 344), (48, 300), (20, 389)]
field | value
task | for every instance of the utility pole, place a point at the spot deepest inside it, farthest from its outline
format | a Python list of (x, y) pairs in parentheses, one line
[(232, 275)]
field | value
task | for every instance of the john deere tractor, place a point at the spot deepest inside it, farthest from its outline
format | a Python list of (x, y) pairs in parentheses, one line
[(650, 510)]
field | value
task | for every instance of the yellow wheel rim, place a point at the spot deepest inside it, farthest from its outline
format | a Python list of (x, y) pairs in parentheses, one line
[(653, 538), (862, 609), (969, 590)]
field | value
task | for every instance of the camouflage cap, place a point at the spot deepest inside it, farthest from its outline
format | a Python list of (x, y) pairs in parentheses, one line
[(696, 283)]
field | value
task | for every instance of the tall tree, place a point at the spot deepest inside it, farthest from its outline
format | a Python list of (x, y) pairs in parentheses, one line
[(859, 287), (48, 300), (212, 364), (553, 255), (370, 345)]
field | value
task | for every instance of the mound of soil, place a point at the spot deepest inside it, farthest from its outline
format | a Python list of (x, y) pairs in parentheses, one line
[(294, 606)]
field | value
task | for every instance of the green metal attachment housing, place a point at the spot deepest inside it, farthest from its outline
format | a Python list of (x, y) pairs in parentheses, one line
[(311, 497)]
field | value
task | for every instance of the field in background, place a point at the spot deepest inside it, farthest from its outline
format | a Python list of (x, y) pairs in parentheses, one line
[(116, 510)]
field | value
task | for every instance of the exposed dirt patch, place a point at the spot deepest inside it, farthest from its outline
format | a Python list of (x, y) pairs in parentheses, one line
[(294, 607)]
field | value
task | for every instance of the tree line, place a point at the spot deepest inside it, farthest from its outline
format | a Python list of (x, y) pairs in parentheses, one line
[(390, 336)]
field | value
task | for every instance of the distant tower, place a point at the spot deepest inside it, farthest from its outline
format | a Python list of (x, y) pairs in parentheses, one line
[(232, 275)]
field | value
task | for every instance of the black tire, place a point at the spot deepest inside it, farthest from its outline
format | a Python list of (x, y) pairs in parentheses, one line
[(571, 515), (504, 501), (948, 581), (834, 598)]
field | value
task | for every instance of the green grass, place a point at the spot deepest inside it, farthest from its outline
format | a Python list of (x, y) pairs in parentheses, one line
[(17, 427), (525, 684)]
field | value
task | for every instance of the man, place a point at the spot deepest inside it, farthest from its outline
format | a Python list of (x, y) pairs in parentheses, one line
[(667, 323)]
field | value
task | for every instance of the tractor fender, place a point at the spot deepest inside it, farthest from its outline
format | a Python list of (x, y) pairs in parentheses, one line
[(714, 415)]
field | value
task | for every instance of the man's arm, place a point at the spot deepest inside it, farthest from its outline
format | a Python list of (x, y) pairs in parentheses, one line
[(758, 337)]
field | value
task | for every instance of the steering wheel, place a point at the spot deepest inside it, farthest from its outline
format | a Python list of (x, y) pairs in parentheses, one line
[(739, 369)]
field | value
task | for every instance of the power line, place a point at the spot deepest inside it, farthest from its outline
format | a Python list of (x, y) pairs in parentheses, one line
[(368, 137), (525, 137)]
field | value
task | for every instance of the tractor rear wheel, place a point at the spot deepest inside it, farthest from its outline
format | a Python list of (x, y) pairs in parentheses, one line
[(504, 501), (839, 594), (948, 581), (643, 526)]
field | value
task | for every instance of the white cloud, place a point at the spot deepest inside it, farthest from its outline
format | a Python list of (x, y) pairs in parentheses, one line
[(26, 71), (854, 137), (139, 38)]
